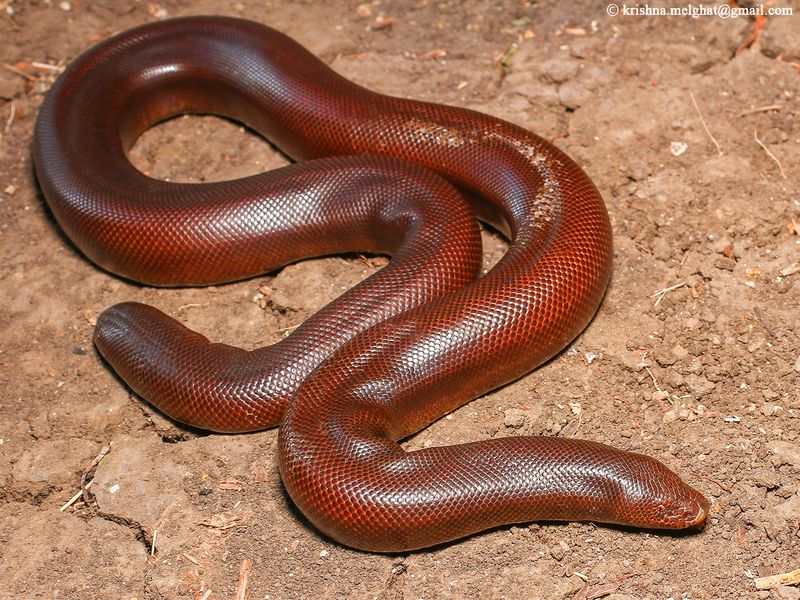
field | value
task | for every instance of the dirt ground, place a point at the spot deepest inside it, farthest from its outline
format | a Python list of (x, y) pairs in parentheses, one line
[(693, 357)]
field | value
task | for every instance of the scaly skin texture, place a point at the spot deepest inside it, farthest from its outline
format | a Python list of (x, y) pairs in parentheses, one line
[(410, 344)]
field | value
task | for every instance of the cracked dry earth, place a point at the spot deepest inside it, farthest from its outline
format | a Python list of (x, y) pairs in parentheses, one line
[(704, 376)]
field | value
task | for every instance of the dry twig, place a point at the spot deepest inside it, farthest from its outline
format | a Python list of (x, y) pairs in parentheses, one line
[(243, 587), (659, 295), (12, 113), (769, 153), (288, 329), (18, 71), (771, 581), (57, 68), (74, 499), (703, 121), (655, 383), (85, 486), (760, 109), (190, 305)]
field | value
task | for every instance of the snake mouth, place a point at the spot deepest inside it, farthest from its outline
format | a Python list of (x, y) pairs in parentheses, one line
[(702, 514)]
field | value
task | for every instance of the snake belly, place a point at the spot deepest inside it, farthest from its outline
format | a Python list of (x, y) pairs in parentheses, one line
[(413, 342)]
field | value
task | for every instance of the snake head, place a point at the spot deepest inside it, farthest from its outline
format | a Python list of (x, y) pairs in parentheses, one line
[(654, 497)]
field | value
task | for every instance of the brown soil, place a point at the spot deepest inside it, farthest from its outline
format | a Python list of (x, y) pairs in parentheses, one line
[(704, 376)]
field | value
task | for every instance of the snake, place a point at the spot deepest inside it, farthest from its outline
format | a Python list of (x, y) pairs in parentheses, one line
[(419, 338)]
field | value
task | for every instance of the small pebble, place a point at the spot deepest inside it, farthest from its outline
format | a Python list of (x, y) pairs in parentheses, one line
[(639, 170), (679, 351), (515, 418), (557, 552), (785, 453), (725, 264), (558, 70), (678, 148)]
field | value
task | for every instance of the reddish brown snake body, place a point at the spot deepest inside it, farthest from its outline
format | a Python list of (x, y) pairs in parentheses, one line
[(410, 344)]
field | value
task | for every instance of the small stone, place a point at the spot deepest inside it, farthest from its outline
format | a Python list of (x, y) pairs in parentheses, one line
[(699, 385), (692, 323), (797, 365), (573, 95), (660, 395), (756, 341), (665, 359), (633, 360), (679, 352), (638, 170), (515, 418), (787, 593), (676, 380), (157, 11), (557, 552), (724, 264), (769, 410), (723, 246), (766, 478), (662, 249), (663, 219), (785, 453), (678, 148), (558, 70), (708, 316)]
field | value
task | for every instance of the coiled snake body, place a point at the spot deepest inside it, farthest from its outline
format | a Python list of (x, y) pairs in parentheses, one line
[(418, 339)]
